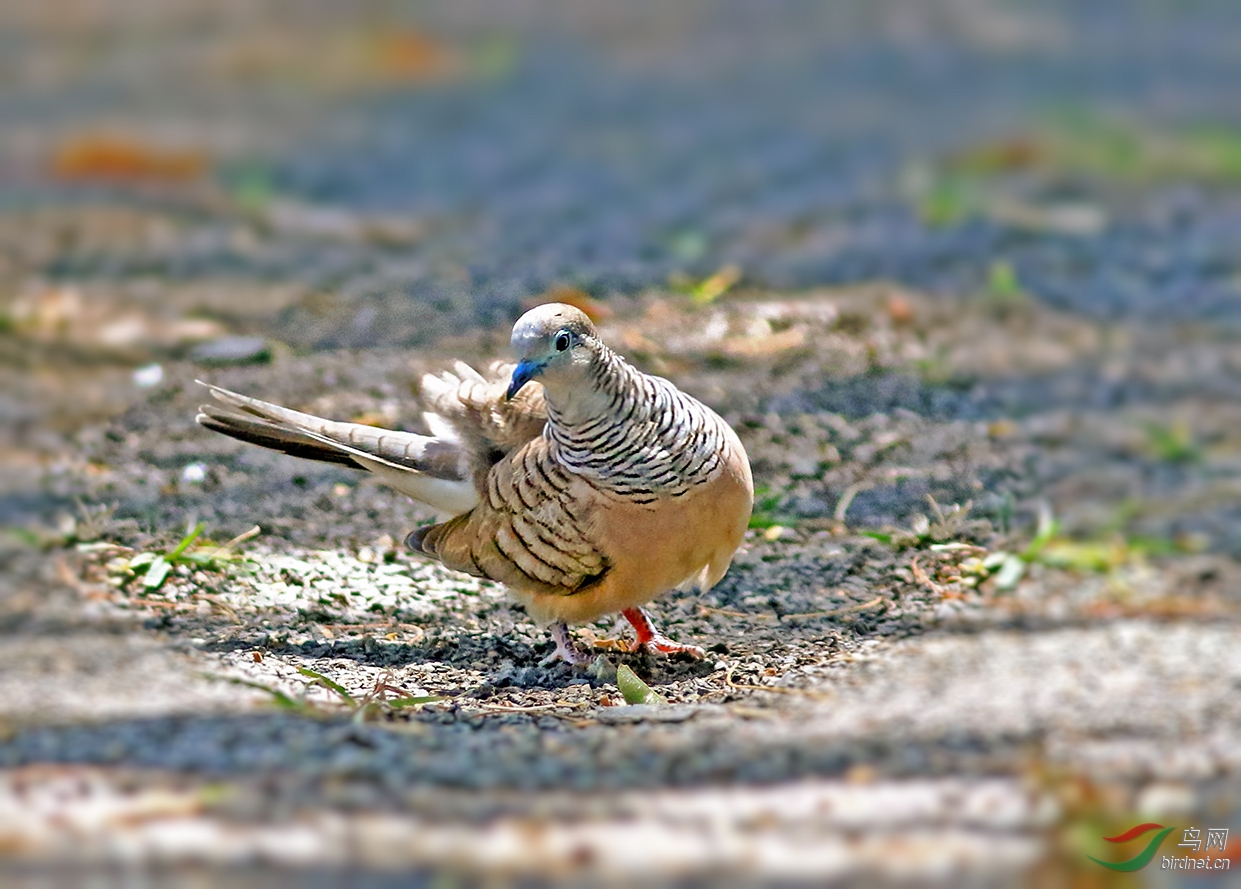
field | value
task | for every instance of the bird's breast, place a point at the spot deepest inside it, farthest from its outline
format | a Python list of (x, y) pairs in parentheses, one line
[(666, 541)]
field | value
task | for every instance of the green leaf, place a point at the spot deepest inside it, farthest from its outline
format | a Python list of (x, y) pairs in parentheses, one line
[(995, 560), (1087, 556), (634, 690), (1002, 283), (253, 190), (949, 201), (1174, 443), (141, 560), (157, 573), (1010, 573), (760, 521)]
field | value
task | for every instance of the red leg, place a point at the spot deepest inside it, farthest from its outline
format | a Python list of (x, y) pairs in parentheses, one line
[(653, 640)]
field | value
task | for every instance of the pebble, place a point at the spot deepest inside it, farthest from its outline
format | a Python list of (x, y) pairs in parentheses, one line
[(233, 350)]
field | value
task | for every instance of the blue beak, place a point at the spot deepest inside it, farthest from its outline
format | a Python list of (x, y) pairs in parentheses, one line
[(522, 374)]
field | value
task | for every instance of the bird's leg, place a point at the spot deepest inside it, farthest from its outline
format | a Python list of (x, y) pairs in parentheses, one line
[(565, 649), (653, 640)]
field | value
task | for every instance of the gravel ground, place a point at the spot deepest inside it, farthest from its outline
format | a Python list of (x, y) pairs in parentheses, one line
[(982, 355), (861, 659)]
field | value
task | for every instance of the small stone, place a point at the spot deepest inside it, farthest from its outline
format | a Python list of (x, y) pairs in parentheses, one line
[(646, 713), (602, 670), (149, 376), (233, 350)]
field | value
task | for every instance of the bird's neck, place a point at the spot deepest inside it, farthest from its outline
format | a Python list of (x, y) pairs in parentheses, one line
[(593, 397), (634, 434)]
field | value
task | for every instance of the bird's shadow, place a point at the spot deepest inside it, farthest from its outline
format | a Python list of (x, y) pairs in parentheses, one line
[(504, 662)]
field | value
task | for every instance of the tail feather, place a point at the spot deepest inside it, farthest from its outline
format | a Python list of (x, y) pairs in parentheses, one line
[(270, 436), (432, 470)]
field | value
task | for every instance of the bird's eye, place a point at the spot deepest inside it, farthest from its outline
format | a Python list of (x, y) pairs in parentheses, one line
[(562, 342)]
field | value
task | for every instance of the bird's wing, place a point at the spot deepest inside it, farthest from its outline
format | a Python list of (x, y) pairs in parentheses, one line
[(471, 407), (533, 529)]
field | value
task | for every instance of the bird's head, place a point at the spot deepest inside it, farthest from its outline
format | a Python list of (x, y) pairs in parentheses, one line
[(551, 341)]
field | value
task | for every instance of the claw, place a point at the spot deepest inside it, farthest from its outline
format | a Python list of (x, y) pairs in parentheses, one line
[(651, 639)]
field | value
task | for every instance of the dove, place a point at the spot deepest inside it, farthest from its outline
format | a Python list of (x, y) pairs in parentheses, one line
[(580, 483)]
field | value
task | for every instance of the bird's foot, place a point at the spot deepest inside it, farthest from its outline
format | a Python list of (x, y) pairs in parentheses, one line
[(651, 639), (664, 645), (565, 649)]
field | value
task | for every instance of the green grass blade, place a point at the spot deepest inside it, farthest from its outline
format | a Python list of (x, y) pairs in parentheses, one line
[(186, 541), (400, 703), (279, 698), (320, 679), (202, 559)]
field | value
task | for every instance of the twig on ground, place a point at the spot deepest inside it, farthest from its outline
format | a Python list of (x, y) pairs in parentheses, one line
[(537, 708), (835, 612), (800, 615), (724, 612), (924, 579), (779, 689), (846, 499), (242, 537)]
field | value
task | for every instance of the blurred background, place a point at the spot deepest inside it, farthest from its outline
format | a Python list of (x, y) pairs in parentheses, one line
[(983, 251), (216, 180)]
